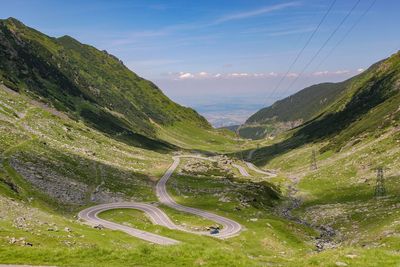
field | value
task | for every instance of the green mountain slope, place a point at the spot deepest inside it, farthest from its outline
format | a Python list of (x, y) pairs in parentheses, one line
[(292, 111), (87, 83), (331, 164), (369, 105), (51, 167), (299, 108)]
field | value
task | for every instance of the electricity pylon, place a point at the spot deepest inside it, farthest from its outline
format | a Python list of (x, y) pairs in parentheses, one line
[(380, 189), (313, 164)]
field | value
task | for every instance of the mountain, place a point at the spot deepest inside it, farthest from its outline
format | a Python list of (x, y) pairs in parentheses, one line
[(88, 84), (301, 107), (367, 106)]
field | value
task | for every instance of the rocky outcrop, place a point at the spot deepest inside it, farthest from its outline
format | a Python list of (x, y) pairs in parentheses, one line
[(51, 182)]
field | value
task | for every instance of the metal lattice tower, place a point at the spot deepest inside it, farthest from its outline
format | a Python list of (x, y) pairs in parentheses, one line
[(380, 189), (313, 164), (238, 142)]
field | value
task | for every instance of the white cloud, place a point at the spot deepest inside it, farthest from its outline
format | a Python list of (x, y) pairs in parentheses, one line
[(360, 70), (203, 74), (185, 75), (235, 74), (273, 74), (320, 73), (256, 12), (247, 75)]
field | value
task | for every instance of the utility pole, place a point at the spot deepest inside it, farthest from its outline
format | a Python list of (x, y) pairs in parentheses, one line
[(313, 164), (238, 142), (380, 189)]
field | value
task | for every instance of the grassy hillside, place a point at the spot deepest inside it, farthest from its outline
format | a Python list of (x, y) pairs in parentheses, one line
[(39, 227), (322, 110), (299, 108), (292, 111), (339, 194), (86, 83), (369, 105), (53, 166), (49, 158)]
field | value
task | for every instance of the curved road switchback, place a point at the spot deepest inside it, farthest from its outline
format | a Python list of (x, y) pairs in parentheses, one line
[(242, 170), (157, 216), (230, 228), (254, 168)]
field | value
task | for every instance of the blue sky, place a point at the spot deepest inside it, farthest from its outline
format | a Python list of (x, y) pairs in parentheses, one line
[(224, 58)]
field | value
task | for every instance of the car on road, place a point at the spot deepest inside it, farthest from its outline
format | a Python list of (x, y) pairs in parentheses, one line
[(214, 231)]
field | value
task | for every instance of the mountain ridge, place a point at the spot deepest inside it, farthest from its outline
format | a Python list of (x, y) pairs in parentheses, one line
[(298, 109), (87, 83), (368, 106)]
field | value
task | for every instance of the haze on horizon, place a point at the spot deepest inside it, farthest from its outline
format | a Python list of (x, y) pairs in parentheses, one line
[(224, 58)]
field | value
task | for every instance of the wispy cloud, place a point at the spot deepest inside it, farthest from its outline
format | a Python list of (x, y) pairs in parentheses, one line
[(274, 31), (255, 12), (133, 37), (290, 32)]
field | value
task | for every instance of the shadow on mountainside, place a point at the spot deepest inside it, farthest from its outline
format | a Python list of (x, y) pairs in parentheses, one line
[(362, 114)]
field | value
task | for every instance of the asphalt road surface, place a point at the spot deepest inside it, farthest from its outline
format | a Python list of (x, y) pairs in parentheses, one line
[(242, 170), (230, 228), (157, 216), (254, 168)]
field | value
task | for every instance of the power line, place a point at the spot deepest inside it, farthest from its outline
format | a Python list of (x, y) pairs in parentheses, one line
[(302, 49), (323, 45), (347, 33)]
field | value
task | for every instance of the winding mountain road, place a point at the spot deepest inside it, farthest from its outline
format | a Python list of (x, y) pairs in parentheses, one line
[(254, 168), (251, 166), (230, 228), (242, 170)]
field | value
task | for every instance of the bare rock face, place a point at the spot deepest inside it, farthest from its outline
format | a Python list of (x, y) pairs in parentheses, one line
[(104, 195), (51, 182), (219, 167)]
